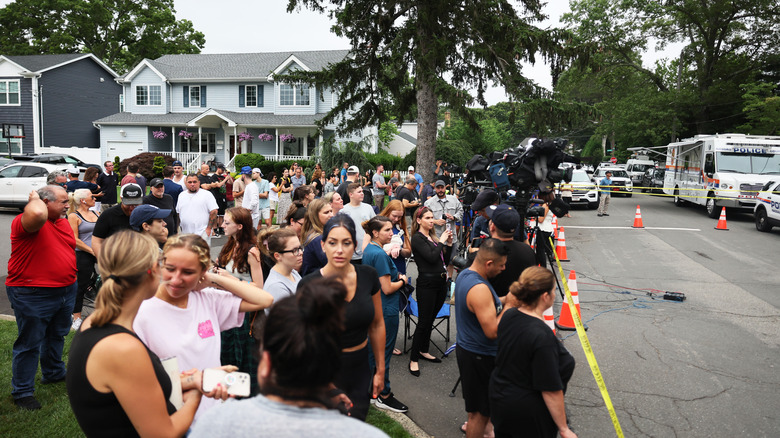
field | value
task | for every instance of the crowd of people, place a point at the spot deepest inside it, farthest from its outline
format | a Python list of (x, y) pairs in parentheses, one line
[(309, 307)]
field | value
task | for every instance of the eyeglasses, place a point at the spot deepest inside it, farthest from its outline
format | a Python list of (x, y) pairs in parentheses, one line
[(295, 251)]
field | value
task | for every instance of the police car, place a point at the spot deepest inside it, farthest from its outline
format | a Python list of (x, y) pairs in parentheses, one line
[(767, 210)]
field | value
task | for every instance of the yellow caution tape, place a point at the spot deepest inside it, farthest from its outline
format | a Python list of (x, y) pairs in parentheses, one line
[(624, 191), (594, 366)]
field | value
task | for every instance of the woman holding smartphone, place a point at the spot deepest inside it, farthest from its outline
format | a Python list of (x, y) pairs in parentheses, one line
[(363, 315), (430, 253), (284, 187), (193, 305), (116, 384)]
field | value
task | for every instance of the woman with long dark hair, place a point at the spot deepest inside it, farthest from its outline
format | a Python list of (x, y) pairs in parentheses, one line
[(300, 358), (545, 229), (533, 367), (363, 312), (284, 187), (240, 258), (430, 253)]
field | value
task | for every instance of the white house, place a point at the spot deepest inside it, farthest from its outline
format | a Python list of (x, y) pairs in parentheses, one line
[(195, 108)]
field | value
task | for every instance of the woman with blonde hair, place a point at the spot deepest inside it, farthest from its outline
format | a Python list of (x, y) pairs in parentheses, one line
[(82, 219), (335, 201), (400, 246), (116, 384), (532, 366), (193, 305), (317, 215)]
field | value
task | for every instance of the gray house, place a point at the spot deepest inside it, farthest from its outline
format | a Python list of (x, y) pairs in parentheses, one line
[(56, 98), (205, 107)]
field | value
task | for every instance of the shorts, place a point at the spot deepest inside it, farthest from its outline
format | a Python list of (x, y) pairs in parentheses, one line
[(274, 204), (475, 370), (265, 213)]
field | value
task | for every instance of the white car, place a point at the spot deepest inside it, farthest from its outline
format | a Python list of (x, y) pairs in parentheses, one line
[(767, 209), (17, 180), (584, 191), (621, 182)]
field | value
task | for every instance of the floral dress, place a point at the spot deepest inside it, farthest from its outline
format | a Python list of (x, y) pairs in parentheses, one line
[(285, 200)]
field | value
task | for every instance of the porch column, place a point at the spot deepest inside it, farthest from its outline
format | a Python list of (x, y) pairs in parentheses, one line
[(235, 140), (200, 142), (277, 143), (306, 146), (319, 145), (173, 141)]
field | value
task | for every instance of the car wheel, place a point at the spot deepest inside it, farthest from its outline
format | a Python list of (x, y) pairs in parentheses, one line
[(678, 200), (712, 206), (762, 222)]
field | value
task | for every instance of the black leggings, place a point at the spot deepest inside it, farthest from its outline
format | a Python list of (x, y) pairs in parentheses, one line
[(354, 378), (431, 291), (85, 264)]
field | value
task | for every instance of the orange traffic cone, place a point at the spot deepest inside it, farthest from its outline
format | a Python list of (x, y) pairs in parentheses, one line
[(549, 319), (560, 247), (722, 221), (566, 321), (555, 226), (638, 219)]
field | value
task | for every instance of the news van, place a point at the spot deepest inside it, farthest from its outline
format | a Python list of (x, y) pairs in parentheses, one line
[(721, 170)]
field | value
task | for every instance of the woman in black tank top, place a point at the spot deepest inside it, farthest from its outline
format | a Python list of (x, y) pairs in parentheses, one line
[(117, 386)]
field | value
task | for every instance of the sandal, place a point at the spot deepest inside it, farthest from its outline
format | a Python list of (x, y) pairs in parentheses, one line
[(396, 352)]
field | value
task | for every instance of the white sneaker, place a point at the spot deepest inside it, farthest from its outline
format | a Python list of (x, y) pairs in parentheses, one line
[(76, 324)]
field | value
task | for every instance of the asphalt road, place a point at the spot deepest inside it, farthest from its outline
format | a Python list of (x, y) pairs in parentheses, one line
[(703, 367)]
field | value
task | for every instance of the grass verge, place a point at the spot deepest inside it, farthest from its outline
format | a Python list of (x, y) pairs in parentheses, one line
[(55, 418)]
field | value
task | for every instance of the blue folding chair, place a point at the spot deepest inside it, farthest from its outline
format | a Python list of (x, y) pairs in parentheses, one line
[(411, 315)]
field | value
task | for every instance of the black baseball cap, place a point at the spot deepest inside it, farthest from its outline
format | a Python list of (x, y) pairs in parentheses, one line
[(504, 217), (156, 182), (485, 198), (131, 194)]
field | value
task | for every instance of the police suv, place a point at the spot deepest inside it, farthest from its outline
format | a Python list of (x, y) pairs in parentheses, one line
[(767, 211)]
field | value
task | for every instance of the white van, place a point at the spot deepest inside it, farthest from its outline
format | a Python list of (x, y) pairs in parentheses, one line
[(636, 167)]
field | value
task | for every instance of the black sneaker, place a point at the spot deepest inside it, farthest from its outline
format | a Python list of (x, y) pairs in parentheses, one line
[(391, 404), (605, 214), (28, 403), (599, 215)]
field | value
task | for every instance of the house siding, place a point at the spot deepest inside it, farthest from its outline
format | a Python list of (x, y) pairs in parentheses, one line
[(146, 77), (21, 114), (311, 108), (68, 109), (221, 97), (113, 143)]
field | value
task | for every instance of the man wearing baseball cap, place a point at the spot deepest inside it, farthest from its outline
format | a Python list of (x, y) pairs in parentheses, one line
[(416, 176), (149, 219), (159, 199), (504, 222), (178, 175), (116, 218), (352, 176), (74, 183), (484, 199)]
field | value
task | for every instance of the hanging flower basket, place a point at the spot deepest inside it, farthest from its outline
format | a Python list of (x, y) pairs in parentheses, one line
[(245, 136), (159, 135), (185, 134), (265, 137), (287, 138)]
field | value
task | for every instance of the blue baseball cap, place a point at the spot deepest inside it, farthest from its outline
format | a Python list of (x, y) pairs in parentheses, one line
[(146, 212), (177, 163), (246, 170)]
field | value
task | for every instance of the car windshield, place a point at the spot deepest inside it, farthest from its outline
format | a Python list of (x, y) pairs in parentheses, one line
[(762, 164), (641, 167), (615, 173), (580, 177)]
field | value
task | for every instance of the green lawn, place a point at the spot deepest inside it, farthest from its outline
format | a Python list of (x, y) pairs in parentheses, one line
[(56, 419)]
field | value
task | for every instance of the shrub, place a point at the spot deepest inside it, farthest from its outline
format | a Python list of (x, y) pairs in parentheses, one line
[(145, 161), (116, 164), (158, 166), (251, 160), (390, 161)]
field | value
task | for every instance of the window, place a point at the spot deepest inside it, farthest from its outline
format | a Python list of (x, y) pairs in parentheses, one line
[(195, 96), (9, 93), (297, 95), (251, 95), (121, 103), (208, 143), (33, 172), (14, 143), (10, 172), (148, 95)]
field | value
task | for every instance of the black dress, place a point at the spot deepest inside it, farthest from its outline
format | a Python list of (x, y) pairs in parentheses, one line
[(98, 413), (530, 360)]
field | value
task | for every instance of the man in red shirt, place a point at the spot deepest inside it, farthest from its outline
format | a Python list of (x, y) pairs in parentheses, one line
[(41, 287)]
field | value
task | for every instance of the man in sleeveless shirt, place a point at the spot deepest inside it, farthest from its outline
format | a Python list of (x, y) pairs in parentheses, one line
[(477, 312)]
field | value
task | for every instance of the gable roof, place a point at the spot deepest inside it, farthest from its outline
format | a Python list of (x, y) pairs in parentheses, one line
[(408, 138), (240, 66), (41, 63)]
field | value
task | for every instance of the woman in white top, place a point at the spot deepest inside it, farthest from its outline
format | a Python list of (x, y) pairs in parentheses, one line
[(545, 229), (273, 194), (193, 305), (286, 250), (284, 189)]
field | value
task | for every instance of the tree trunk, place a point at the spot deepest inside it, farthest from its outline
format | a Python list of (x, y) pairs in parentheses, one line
[(427, 109)]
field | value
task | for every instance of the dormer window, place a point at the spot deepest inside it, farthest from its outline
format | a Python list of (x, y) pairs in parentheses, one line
[(293, 95), (148, 95)]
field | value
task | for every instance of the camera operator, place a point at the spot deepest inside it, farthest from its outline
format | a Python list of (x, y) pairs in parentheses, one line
[(545, 228), (504, 221), (485, 199)]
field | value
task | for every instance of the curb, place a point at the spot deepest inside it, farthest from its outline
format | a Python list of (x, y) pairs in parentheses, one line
[(407, 424), (7, 318)]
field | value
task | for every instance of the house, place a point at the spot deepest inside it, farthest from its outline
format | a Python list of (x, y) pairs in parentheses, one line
[(406, 139), (55, 98), (201, 107)]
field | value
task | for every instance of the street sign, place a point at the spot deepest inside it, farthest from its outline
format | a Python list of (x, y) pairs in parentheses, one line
[(613, 160)]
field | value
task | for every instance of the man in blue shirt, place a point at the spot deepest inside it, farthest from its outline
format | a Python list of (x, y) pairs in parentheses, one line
[(604, 195), (74, 183), (416, 176), (171, 187)]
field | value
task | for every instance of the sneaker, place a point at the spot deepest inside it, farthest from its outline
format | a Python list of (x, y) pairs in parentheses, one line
[(605, 214), (391, 404), (599, 215), (76, 324), (28, 403)]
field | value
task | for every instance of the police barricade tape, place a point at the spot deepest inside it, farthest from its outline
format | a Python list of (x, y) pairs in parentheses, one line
[(594, 366), (622, 191)]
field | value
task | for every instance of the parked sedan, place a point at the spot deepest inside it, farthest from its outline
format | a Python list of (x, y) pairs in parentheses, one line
[(767, 210), (17, 180), (653, 180)]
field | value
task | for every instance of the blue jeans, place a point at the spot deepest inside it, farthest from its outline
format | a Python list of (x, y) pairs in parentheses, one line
[(43, 320), (390, 311)]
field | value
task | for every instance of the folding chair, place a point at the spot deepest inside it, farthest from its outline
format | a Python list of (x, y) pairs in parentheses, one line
[(411, 316)]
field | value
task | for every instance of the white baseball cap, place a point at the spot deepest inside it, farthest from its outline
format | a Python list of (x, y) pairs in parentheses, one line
[(73, 170), (410, 169)]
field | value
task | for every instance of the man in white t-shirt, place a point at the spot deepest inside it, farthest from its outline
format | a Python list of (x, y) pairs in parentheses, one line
[(250, 199), (263, 190), (359, 212), (197, 209)]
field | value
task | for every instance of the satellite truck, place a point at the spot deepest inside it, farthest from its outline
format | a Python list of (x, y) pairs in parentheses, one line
[(720, 170)]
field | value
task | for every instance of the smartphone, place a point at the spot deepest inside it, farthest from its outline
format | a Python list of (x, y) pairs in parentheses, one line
[(449, 227), (237, 383)]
